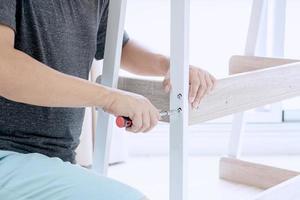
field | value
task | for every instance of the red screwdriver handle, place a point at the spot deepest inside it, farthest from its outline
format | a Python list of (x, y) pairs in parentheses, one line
[(123, 122)]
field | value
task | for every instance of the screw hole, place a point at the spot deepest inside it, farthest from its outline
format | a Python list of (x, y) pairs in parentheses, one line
[(179, 96)]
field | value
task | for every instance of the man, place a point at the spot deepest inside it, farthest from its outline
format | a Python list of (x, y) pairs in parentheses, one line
[(46, 51)]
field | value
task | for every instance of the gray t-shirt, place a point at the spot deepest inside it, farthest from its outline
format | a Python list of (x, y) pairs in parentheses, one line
[(66, 35)]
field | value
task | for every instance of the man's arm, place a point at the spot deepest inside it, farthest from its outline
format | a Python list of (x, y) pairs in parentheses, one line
[(25, 80), (141, 61), (138, 60)]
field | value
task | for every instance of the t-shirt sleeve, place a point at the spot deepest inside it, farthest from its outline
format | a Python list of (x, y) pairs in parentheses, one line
[(102, 35), (8, 13)]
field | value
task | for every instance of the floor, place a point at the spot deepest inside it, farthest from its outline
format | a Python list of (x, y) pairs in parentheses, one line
[(150, 175)]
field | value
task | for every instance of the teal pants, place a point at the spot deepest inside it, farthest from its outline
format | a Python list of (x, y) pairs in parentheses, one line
[(38, 177)]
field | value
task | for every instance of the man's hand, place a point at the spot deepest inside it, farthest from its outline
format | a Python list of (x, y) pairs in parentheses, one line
[(143, 114), (201, 83), (139, 60)]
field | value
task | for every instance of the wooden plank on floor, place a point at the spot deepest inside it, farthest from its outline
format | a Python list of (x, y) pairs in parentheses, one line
[(253, 174)]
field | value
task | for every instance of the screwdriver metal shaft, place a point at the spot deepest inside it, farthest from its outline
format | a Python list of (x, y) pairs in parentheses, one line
[(126, 122)]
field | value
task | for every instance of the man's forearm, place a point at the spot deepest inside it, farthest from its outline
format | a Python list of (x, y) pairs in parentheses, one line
[(26, 80), (140, 61)]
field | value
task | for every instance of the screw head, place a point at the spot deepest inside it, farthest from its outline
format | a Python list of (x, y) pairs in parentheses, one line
[(179, 96)]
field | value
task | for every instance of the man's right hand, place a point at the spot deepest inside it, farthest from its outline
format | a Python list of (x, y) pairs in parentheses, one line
[(143, 114)]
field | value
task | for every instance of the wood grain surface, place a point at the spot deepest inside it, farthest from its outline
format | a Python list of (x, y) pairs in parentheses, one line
[(232, 94)]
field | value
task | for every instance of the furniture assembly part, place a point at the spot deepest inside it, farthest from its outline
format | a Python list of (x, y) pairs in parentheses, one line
[(179, 74), (253, 174), (257, 81), (240, 64), (232, 94), (257, 31), (249, 90), (256, 42), (111, 65)]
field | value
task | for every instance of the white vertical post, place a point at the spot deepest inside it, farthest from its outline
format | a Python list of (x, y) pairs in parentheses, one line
[(257, 28), (278, 28), (180, 10), (278, 40), (235, 140), (258, 23), (111, 65), (260, 48)]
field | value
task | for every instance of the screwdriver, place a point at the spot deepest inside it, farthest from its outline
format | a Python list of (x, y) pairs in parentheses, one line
[(126, 122)]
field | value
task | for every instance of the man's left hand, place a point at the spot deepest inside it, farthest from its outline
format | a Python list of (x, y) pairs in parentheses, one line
[(201, 83)]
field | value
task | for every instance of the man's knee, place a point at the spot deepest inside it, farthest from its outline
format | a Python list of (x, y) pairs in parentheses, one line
[(92, 186)]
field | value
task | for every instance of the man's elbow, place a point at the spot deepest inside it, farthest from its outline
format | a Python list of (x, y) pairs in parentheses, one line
[(4, 91), (5, 79), (7, 92), (7, 52)]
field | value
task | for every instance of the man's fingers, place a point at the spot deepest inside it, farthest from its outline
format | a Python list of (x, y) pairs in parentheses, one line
[(201, 83), (137, 122), (214, 80), (153, 121), (145, 119), (201, 91), (209, 82), (154, 118), (146, 122), (157, 114), (167, 85), (194, 86)]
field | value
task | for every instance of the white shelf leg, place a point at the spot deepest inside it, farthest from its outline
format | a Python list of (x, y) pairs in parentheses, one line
[(180, 10), (261, 45), (238, 125), (257, 26), (256, 33), (279, 19), (111, 65), (278, 41)]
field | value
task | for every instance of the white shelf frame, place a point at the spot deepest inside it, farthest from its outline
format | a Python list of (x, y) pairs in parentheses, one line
[(179, 96), (256, 45), (180, 13)]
